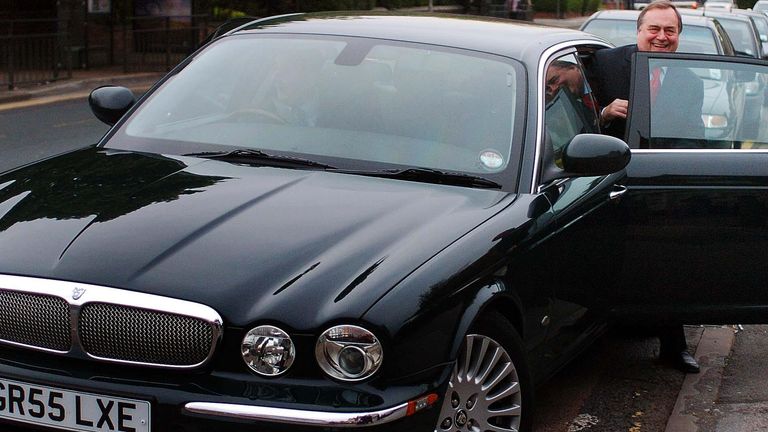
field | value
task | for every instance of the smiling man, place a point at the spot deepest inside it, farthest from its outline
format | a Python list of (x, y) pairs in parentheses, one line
[(658, 29)]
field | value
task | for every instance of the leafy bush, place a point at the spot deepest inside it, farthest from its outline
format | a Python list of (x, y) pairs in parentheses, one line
[(395, 4), (326, 5), (581, 7)]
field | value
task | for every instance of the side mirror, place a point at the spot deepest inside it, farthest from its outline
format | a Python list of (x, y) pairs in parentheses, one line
[(594, 154), (588, 155), (110, 103)]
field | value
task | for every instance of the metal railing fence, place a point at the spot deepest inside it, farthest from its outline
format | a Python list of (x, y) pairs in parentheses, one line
[(39, 56), (159, 43)]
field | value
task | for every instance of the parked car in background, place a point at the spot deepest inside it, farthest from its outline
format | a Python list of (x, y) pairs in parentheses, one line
[(326, 222), (702, 35), (741, 30), (760, 20), (719, 5)]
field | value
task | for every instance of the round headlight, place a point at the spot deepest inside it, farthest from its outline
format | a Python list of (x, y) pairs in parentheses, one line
[(348, 353), (268, 351)]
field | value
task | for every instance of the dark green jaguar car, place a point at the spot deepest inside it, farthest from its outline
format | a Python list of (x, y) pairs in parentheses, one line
[(377, 222)]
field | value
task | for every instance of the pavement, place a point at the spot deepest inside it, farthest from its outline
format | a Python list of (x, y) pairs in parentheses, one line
[(728, 395), (77, 87)]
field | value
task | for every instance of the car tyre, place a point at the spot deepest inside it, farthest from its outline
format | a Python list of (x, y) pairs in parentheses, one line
[(490, 388)]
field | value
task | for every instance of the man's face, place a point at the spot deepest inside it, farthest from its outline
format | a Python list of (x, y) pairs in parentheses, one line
[(659, 31), (564, 77)]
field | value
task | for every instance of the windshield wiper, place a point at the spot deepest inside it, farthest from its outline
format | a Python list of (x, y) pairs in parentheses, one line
[(429, 175), (251, 155)]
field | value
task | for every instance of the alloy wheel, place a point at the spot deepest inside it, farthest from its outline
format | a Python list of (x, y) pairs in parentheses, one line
[(484, 391)]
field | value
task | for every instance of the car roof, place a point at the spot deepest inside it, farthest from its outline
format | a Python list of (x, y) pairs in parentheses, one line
[(500, 36), (749, 12), (719, 14)]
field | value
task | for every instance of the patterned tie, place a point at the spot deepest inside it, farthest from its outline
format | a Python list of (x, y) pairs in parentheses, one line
[(655, 83)]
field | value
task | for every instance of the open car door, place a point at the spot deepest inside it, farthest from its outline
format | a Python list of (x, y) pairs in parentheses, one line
[(695, 210)]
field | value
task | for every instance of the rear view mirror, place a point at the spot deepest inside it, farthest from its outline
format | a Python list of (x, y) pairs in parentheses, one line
[(110, 103)]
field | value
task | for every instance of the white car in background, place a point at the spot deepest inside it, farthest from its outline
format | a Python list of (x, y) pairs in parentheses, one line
[(719, 5)]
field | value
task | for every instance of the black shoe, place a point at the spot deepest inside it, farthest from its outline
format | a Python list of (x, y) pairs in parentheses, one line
[(684, 362)]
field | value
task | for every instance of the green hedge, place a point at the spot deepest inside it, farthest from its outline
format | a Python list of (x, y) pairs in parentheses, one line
[(394, 4), (326, 5), (223, 9), (582, 7)]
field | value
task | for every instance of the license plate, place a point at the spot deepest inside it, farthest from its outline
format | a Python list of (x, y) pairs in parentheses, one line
[(71, 410)]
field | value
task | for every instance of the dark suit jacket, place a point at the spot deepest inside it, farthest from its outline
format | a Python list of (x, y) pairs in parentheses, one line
[(678, 105), (610, 74), (676, 114)]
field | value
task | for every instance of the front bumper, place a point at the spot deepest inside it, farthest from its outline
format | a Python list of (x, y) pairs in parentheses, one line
[(223, 402), (298, 417)]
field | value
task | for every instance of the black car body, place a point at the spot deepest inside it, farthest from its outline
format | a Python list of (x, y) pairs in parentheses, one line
[(212, 265)]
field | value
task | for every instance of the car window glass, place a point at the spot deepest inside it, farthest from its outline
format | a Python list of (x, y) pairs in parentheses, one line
[(695, 39), (762, 27), (709, 105), (570, 104), (358, 99), (617, 32), (741, 35)]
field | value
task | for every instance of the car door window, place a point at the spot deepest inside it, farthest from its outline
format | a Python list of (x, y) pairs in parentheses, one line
[(570, 104), (701, 104)]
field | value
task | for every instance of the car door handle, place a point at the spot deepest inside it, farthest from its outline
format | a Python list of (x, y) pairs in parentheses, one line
[(617, 192)]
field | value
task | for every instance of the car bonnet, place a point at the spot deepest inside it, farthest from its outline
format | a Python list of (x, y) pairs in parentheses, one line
[(251, 242)]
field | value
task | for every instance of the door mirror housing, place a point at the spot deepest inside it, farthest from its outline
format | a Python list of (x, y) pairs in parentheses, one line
[(110, 103), (590, 155), (595, 154)]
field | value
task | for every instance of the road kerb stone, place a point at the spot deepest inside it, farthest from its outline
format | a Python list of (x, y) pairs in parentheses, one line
[(702, 389)]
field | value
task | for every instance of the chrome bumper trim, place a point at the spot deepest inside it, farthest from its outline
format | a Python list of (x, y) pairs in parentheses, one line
[(298, 417)]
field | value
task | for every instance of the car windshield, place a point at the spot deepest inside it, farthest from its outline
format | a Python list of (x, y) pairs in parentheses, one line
[(344, 101), (694, 39)]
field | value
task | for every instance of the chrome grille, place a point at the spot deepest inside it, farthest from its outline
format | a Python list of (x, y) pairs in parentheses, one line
[(138, 335), (107, 324), (35, 320)]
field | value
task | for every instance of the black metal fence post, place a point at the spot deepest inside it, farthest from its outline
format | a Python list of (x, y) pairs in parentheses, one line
[(11, 48), (167, 28)]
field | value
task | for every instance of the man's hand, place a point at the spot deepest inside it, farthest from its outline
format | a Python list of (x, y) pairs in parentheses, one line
[(614, 110)]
